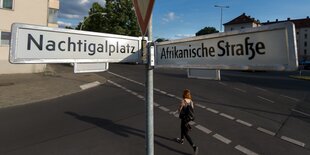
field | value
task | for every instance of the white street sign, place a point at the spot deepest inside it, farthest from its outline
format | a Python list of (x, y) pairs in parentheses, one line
[(38, 44), (271, 47)]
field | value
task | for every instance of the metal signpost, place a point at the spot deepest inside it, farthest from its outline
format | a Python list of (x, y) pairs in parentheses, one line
[(271, 47), (143, 9), (38, 44)]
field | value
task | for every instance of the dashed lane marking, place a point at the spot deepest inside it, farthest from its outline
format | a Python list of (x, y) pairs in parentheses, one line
[(262, 89), (291, 98), (164, 108), (199, 105), (221, 83), (227, 116), (291, 140), (241, 90), (212, 110), (244, 122), (265, 99), (245, 150), (301, 112), (222, 138), (202, 128), (266, 131)]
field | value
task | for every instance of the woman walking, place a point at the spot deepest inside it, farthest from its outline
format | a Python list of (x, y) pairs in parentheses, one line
[(185, 110)]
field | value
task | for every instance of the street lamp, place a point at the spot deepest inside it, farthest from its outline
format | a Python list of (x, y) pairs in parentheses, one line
[(221, 7), (103, 14)]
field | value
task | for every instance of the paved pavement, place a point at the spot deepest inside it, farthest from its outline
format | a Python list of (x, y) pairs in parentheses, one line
[(58, 80)]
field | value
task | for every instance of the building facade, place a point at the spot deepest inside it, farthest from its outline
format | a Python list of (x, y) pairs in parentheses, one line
[(241, 22), (302, 27), (36, 12)]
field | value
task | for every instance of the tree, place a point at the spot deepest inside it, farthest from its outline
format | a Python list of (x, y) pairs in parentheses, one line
[(117, 17), (206, 30), (161, 40)]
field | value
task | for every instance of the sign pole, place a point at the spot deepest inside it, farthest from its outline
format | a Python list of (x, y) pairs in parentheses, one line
[(149, 98)]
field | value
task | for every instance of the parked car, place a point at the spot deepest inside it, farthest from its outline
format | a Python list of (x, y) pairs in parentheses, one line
[(304, 64)]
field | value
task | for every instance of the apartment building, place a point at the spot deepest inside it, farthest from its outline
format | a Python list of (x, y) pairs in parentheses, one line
[(302, 27), (37, 12)]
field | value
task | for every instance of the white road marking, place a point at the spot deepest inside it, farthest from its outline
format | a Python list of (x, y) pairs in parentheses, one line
[(221, 138), (227, 116), (191, 123), (260, 88), (199, 105), (221, 83), (156, 104), (265, 99), (90, 85), (291, 98), (171, 95), (163, 92), (140, 96), (244, 122), (212, 110), (126, 78), (301, 112), (241, 90), (293, 141), (266, 131), (207, 131), (203, 129), (245, 150), (164, 108)]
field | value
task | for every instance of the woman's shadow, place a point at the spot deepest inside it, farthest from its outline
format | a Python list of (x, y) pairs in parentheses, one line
[(120, 130)]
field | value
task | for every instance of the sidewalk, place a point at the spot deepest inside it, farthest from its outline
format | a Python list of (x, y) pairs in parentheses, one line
[(59, 80)]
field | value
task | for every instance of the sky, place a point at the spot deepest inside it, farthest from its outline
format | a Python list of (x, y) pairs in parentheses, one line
[(174, 19)]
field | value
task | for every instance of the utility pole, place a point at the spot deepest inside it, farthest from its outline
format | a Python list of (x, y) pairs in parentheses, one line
[(221, 7)]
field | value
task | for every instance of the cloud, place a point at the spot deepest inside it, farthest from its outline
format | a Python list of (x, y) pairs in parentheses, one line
[(184, 35), (171, 16), (76, 9), (69, 16), (84, 1), (64, 24)]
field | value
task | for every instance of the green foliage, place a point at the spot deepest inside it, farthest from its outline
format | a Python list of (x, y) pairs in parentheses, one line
[(117, 17), (161, 40), (206, 30)]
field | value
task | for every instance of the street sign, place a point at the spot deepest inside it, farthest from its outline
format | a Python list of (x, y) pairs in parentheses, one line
[(143, 9), (38, 44), (271, 47), (90, 67)]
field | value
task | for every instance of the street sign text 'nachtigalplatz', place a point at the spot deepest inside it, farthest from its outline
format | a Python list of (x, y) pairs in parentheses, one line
[(271, 47), (38, 44)]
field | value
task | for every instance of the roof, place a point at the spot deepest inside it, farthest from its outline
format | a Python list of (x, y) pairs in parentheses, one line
[(243, 18), (299, 23)]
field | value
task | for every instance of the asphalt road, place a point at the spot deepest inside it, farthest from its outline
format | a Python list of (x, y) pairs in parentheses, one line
[(245, 113)]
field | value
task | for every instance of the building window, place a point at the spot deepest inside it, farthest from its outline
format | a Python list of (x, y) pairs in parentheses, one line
[(305, 44), (7, 4), (306, 36), (52, 15), (5, 38), (305, 51)]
